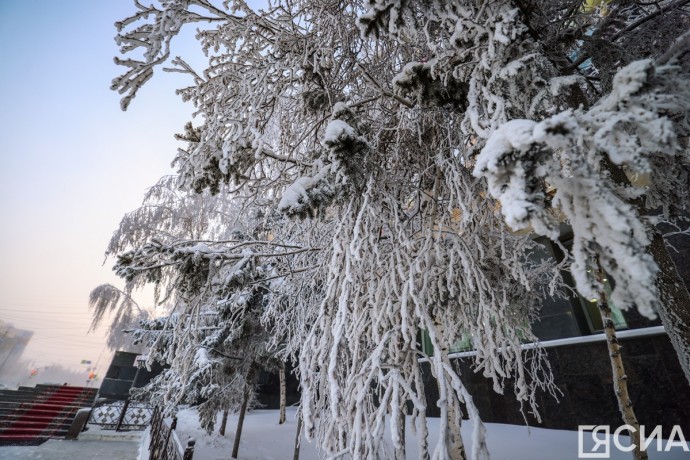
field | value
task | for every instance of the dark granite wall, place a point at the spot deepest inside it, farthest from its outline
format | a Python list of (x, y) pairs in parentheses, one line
[(658, 388), (121, 374)]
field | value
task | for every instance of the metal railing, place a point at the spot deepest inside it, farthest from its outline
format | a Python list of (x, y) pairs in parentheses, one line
[(121, 415), (165, 444)]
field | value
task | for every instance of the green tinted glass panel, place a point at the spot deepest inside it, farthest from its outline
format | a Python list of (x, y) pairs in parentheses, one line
[(595, 316)]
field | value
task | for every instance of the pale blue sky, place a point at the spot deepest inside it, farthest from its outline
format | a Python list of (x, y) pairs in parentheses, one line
[(72, 163)]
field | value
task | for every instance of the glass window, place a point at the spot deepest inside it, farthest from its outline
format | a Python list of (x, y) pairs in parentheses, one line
[(557, 318), (595, 316), (589, 311), (464, 344)]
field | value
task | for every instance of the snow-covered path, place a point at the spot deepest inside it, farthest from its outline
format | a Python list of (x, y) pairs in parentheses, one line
[(73, 450), (94, 444)]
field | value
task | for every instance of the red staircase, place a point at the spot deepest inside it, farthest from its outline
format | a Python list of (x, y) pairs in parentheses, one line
[(32, 416)]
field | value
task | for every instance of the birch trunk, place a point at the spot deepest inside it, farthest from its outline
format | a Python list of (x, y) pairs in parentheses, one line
[(283, 398), (456, 447), (400, 451), (620, 379)]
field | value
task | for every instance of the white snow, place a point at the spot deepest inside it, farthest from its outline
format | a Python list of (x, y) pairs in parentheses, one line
[(336, 131), (558, 84), (91, 448), (513, 135), (296, 195), (294, 192), (631, 78), (202, 359), (264, 439)]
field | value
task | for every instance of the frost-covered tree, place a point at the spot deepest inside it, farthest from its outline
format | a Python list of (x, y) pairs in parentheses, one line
[(166, 214), (192, 248), (596, 41), (640, 128), (122, 313), (353, 129), (212, 342)]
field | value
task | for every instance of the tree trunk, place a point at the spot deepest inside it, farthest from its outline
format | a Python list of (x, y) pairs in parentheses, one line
[(283, 403), (620, 379), (240, 423), (248, 387), (674, 305), (400, 451), (457, 446), (223, 423), (295, 455), (674, 308)]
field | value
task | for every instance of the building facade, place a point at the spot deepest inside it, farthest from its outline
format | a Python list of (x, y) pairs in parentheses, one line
[(13, 341), (571, 332)]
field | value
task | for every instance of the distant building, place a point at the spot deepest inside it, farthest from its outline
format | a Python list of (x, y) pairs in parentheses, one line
[(13, 341)]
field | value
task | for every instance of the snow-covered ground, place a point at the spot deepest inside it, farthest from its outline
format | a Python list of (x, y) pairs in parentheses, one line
[(264, 439), (74, 450)]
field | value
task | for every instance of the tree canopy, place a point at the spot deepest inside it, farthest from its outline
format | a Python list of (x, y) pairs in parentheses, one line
[(360, 171)]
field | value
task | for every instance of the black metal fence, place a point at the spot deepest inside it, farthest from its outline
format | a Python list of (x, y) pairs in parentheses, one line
[(121, 415), (165, 444)]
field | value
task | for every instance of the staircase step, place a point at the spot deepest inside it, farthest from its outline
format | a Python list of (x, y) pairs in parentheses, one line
[(38, 423), (23, 407), (30, 416), (58, 430)]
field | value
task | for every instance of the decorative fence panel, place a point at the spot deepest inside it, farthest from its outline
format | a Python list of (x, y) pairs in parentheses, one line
[(122, 415), (165, 445)]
